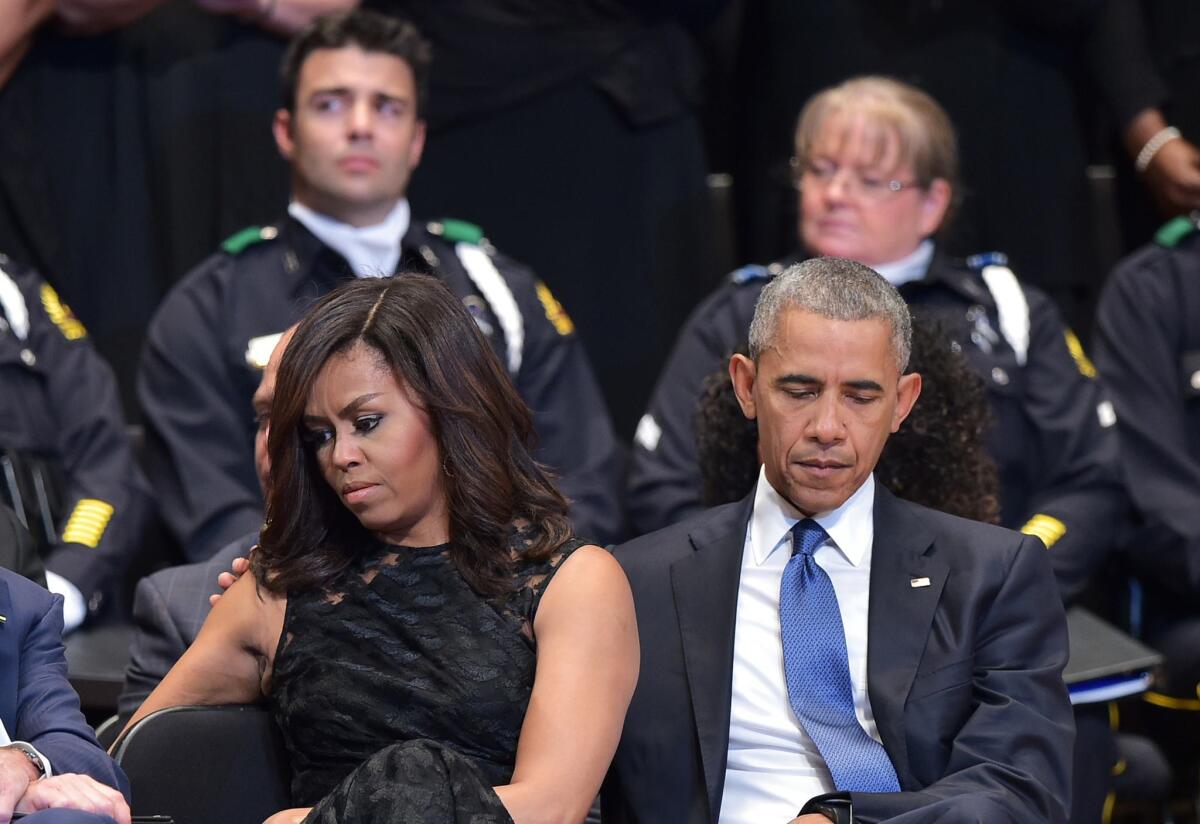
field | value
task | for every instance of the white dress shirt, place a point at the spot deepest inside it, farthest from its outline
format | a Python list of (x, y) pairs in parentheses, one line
[(773, 766), (371, 251), (912, 267)]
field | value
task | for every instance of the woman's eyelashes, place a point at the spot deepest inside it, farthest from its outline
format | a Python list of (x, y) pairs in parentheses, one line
[(318, 436), (365, 423)]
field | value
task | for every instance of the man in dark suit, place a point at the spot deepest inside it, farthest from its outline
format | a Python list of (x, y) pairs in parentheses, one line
[(170, 606), (51, 767), (901, 665)]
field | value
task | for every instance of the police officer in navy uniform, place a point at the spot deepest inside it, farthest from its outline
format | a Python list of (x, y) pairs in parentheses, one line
[(66, 466), (876, 164), (1148, 354), (352, 132)]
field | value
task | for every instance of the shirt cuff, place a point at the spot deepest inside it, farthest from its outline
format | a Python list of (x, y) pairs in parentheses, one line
[(32, 750), (74, 605)]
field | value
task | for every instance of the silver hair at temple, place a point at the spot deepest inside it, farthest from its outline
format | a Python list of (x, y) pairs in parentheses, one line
[(837, 289)]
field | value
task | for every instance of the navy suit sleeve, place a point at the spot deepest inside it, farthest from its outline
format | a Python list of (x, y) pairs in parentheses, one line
[(157, 644), (1010, 760), (48, 714), (664, 479), (199, 437), (575, 435), (1082, 488)]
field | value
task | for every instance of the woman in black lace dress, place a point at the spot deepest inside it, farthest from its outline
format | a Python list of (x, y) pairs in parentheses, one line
[(434, 644)]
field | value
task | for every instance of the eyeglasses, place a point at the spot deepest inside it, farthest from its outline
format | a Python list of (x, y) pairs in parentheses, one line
[(866, 186)]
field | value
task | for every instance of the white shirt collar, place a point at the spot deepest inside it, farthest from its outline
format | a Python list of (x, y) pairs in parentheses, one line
[(850, 527), (912, 267), (371, 251)]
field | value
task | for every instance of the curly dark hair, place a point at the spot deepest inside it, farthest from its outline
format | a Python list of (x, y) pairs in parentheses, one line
[(483, 429), (936, 459)]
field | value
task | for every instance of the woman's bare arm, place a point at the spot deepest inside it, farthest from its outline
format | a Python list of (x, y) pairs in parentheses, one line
[(285, 17), (227, 661), (18, 20), (587, 667), (94, 16)]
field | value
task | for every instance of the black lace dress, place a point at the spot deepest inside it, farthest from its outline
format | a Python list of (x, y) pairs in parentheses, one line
[(401, 692)]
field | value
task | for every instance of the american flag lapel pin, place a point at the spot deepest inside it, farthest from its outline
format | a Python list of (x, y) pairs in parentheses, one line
[(917, 583)]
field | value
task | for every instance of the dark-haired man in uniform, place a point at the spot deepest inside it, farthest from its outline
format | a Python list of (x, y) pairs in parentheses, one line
[(352, 131)]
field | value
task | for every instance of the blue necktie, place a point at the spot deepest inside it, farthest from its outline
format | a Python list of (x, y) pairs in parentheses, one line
[(818, 674)]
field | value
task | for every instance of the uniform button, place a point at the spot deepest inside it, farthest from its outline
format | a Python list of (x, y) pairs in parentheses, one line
[(999, 376), (975, 313), (28, 357), (977, 339), (956, 347), (1196, 380), (269, 233)]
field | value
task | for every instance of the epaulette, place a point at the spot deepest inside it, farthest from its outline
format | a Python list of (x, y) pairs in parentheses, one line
[(1175, 230), (754, 272), (237, 243), (456, 231), (983, 259)]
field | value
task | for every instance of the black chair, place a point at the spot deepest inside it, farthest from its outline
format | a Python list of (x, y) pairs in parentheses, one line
[(201, 765)]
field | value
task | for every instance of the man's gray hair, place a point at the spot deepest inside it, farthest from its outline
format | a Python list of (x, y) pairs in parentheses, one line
[(833, 288)]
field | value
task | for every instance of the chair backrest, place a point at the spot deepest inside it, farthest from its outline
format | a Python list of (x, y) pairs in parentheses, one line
[(201, 765)]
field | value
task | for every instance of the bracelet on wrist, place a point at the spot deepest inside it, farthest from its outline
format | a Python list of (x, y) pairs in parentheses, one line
[(1161, 138)]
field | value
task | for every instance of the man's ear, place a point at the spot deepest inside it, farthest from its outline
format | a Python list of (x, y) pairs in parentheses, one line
[(418, 146), (907, 393), (742, 372), (281, 128)]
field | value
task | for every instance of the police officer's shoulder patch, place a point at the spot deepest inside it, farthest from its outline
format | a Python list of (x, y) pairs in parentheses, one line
[(456, 231), (61, 315), (752, 273), (1174, 231), (984, 259), (555, 313), (1082, 362), (239, 242)]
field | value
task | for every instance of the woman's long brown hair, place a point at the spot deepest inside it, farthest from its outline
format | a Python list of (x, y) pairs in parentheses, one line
[(483, 429)]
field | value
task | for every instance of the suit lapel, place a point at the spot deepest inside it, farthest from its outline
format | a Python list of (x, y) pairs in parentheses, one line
[(705, 588), (900, 616)]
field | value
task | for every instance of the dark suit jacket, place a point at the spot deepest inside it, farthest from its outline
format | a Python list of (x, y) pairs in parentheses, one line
[(964, 675), (169, 607), (37, 703)]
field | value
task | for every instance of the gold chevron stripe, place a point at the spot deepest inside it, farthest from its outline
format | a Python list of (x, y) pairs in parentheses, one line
[(87, 522), (1045, 528)]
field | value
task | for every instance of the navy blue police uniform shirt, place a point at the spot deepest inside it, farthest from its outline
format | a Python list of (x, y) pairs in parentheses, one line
[(62, 432), (1052, 436), (211, 337), (1148, 354)]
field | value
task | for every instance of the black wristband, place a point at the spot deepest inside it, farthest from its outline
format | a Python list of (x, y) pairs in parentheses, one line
[(837, 807)]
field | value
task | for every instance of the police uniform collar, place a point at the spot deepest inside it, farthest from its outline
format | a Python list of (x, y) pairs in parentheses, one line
[(306, 255), (954, 274)]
